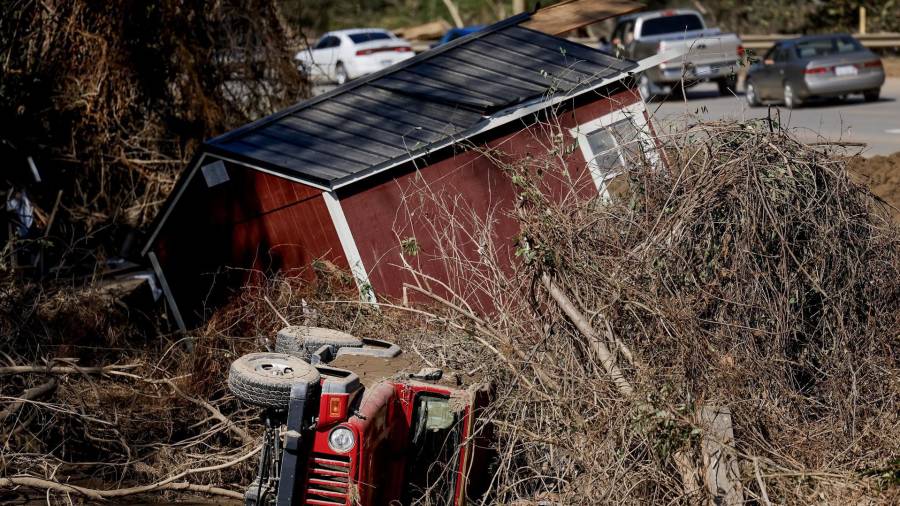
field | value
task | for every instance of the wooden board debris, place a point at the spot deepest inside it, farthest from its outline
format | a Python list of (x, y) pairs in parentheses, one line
[(568, 15)]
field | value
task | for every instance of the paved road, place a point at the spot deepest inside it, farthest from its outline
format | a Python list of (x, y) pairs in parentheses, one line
[(876, 124)]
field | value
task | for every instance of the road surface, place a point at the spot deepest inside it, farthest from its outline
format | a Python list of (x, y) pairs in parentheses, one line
[(877, 124)]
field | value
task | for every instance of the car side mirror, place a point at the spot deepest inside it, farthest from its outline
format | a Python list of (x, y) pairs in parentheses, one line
[(768, 61)]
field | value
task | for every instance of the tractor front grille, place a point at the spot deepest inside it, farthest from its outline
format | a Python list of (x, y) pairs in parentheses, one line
[(328, 480)]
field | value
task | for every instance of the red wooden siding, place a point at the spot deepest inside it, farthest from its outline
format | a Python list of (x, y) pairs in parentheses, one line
[(255, 222), (469, 184)]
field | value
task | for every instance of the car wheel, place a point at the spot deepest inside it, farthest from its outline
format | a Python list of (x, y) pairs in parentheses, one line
[(645, 87), (872, 95), (340, 74), (266, 379), (727, 86), (790, 98), (751, 94)]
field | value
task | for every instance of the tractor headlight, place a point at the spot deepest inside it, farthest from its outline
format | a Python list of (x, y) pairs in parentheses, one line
[(341, 440)]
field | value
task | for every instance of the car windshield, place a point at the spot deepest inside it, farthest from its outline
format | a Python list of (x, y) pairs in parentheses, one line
[(368, 36), (825, 47), (671, 24)]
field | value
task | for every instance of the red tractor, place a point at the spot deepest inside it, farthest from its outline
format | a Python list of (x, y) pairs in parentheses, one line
[(347, 423)]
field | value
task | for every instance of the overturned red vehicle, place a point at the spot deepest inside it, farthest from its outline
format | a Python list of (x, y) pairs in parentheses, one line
[(355, 422)]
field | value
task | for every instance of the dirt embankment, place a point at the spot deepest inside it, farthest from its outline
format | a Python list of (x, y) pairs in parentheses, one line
[(891, 66), (882, 174)]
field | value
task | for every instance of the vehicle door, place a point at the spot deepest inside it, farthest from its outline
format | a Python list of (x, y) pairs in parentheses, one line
[(768, 78), (324, 55), (784, 59)]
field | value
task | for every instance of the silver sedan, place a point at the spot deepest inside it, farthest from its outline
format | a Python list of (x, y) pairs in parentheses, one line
[(807, 68)]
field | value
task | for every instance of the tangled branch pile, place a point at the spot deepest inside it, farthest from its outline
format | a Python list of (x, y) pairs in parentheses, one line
[(109, 98), (749, 273)]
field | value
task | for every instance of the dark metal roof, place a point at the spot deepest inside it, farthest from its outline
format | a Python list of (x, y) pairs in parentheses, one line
[(390, 116)]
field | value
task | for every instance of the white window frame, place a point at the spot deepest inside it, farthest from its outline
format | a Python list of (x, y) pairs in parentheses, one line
[(636, 113)]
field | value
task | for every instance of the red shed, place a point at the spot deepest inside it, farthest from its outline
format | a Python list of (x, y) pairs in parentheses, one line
[(327, 177)]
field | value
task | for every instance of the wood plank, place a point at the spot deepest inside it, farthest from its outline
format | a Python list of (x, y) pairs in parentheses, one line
[(568, 15), (720, 461)]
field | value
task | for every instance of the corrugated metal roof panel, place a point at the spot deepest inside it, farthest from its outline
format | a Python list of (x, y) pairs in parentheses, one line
[(386, 117)]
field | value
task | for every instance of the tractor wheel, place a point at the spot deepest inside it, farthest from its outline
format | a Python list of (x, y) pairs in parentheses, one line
[(302, 341), (265, 379)]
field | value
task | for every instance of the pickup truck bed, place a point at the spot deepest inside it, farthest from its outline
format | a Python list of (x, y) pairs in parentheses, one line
[(708, 54)]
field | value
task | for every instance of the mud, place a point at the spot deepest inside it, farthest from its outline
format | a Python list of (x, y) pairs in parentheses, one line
[(371, 370)]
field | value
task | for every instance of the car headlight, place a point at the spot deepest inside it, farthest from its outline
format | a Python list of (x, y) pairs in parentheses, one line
[(341, 440)]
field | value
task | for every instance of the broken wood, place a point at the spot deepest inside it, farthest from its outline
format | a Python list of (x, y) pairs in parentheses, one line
[(454, 13), (720, 462), (100, 495), (432, 30), (569, 15), (682, 459), (29, 395), (67, 369), (243, 435), (584, 326), (166, 484)]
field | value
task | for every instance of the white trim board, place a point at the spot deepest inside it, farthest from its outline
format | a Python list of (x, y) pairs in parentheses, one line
[(351, 252), (170, 298)]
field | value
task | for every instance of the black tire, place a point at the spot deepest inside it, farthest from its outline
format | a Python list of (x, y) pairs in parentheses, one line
[(751, 94), (645, 88), (265, 379), (872, 95), (301, 341), (340, 74), (727, 86), (791, 100)]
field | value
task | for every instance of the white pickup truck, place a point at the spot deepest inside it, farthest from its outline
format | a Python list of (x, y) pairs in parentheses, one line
[(708, 54)]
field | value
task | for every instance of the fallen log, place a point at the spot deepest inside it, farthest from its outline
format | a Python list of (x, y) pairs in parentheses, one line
[(584, 326), (65, 369), (166, 484), (100, 495)]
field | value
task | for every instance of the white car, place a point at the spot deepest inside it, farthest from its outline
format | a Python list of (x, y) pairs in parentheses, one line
[(347, 54)]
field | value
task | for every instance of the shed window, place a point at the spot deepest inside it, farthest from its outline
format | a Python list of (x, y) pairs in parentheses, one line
[(613, 146), (611, 142), (214, 173)]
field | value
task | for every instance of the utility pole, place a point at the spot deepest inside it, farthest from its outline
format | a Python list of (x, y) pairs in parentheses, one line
[(862, 20)]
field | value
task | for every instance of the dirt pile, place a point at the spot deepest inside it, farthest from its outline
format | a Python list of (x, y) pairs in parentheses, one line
[(882, 175)]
